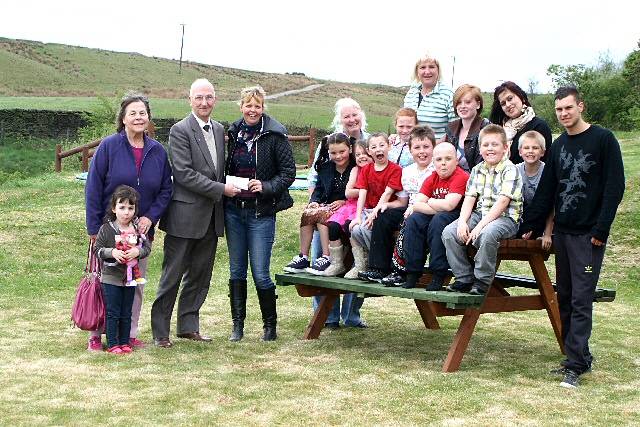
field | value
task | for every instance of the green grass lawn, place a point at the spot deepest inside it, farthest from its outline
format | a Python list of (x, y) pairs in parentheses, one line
[(389, 374)]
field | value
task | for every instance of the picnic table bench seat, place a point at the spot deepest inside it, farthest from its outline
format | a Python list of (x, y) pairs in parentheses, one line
[(432, 305)]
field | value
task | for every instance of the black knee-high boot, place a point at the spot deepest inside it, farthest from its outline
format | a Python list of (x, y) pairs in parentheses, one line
[(267, 299), (238, 301)]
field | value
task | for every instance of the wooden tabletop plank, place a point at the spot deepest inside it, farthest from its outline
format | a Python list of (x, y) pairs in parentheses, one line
[(358, 286)]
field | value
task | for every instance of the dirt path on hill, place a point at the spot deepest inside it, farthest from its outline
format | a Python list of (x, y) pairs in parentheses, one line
[(295, 91)]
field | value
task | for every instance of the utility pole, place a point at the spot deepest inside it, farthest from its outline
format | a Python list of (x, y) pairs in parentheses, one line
[(453, 70), (181, 46)]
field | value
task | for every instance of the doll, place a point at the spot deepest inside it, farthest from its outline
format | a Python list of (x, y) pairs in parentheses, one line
[(124, 242)]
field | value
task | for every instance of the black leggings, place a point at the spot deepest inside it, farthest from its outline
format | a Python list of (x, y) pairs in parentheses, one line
[(337, 232)]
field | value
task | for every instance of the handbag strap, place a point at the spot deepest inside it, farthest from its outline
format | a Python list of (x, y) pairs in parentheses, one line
[(93, 263), (88, 266)]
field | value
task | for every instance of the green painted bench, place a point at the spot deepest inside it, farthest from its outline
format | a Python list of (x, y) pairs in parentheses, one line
[(432, 305)]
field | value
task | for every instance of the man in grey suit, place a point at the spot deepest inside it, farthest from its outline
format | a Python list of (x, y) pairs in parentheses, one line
[(194, 219)]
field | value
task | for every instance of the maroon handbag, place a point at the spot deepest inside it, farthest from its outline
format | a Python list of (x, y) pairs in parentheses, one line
[(88, 311)]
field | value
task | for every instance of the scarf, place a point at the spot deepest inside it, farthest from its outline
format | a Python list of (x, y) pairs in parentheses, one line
[(513, 126), (248, 133)]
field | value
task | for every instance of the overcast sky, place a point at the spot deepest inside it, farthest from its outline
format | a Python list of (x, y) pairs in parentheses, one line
[(352, 41)]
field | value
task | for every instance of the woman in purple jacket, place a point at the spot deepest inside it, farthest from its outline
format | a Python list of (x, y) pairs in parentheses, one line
[(131, 158)]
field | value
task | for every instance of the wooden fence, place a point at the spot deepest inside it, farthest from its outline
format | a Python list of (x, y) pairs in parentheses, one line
[(86, 151)]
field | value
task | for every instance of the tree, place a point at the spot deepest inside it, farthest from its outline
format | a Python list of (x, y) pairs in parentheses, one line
[(533, 85), (610, 91)]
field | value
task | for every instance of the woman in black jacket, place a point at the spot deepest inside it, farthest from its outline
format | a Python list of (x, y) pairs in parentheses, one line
[(463, 133), (260, 157), (512, 110)]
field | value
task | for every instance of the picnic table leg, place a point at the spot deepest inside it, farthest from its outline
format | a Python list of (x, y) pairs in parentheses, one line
[(427, 314), (320, 316), (549, 296), (461, 340)]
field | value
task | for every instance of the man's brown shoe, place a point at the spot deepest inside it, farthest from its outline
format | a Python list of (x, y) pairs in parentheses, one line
[(162, 342), (195, 336)]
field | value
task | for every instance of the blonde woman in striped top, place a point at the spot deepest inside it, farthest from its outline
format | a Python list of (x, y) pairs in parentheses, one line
[(430, 97)]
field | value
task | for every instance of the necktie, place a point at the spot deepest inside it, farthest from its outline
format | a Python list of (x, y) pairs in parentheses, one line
[(211, 144)]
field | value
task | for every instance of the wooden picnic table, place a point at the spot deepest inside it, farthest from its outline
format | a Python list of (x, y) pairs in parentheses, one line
[(432, 305)]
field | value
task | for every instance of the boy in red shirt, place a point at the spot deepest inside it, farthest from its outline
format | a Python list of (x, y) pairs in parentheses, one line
[(437, 205), (378, 183)]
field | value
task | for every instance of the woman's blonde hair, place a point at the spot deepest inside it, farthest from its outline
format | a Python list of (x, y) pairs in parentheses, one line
[(426, 58), (251, 92)]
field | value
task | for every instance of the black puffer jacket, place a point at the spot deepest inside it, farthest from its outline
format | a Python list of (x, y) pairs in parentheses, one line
[(275, 167)]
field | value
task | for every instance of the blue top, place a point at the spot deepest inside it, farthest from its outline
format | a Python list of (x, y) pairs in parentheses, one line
[(113, 164), (435, 109)]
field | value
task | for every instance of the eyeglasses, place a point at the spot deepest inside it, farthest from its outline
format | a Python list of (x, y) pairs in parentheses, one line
[(200, 98)]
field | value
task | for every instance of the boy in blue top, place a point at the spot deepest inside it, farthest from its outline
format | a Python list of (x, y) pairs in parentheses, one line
[(495, 189), (583, 181)]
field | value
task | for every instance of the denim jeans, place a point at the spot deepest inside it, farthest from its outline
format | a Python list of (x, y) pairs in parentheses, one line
[(351, 304), (119, 301), (252, 238)]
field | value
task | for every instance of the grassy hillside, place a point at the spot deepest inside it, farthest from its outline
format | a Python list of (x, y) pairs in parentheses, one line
[(389, 374), (46, 69)]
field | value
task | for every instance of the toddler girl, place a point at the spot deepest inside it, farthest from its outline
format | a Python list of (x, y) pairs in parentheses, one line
[(119, 297)]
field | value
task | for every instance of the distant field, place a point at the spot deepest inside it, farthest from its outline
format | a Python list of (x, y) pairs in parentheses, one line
[(301, 115)]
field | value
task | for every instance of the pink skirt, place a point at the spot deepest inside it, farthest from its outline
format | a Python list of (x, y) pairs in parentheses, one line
[(346, 212)]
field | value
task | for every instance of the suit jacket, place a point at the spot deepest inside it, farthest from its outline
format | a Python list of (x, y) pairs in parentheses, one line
[(198, 187)]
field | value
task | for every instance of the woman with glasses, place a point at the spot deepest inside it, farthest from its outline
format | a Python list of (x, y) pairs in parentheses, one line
[(430, 97), (260, 158), (131, 158)]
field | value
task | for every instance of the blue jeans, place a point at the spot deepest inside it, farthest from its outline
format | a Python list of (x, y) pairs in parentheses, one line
[(350, 312), (252, 238), (119, 302), (351, 304)]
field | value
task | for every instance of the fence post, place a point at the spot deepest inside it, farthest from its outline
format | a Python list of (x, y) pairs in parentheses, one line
[(85, 158), (312, 146), (58, 158)]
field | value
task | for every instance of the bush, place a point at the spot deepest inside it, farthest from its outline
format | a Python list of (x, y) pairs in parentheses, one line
[(609, 90), (100, 122)]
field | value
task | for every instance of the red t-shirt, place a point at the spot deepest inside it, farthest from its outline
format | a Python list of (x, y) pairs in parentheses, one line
[(375, 182), (437, 188)]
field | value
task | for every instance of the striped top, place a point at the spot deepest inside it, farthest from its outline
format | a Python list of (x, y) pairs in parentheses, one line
[(488, 184), (435, 110)]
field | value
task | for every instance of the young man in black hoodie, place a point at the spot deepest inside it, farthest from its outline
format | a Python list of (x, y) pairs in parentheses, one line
[(584, 181)]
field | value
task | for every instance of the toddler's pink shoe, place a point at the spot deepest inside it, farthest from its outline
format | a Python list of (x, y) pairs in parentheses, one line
[(126, 349), (136, 343), (95, 344), (115, 350)]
